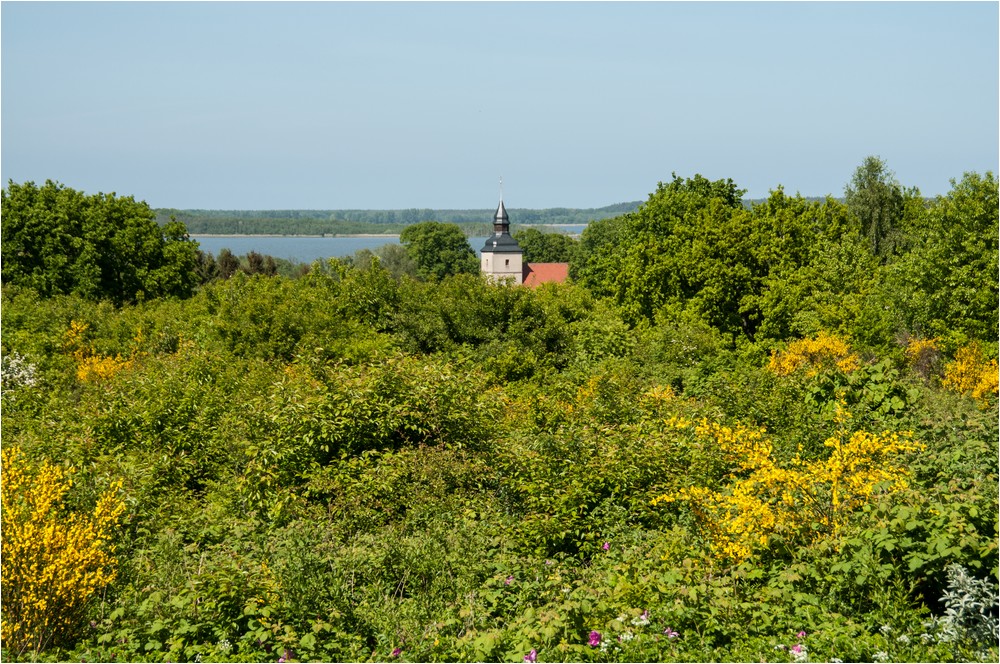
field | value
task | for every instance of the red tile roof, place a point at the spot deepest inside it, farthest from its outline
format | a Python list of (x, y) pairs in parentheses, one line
[(544, 273)]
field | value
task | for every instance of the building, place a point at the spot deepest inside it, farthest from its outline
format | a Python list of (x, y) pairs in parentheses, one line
[(502, 258)]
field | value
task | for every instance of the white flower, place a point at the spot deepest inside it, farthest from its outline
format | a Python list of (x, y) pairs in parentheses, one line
[(642, 620), (885, 629), (903, 638), (836, 660), (17, 372), (881, 656)]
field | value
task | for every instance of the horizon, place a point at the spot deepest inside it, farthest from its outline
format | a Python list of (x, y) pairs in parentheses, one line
[(394, 106)]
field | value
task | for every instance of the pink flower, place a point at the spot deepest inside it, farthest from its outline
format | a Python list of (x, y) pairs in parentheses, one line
[(509, 580), (797, 648), (595, 638), (607, 545), (396, 651), (801, 635), (671, 634), (531, 656)]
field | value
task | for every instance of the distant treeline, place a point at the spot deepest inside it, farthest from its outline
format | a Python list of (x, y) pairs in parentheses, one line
[(341, 222), (361, 222)]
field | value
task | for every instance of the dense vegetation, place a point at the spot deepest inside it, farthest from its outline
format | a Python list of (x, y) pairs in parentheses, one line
[(344, 222), (57, 240), (744, 434)]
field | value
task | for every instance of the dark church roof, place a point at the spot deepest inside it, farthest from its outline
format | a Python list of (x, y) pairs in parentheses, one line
[(502, 244), (501, 214)]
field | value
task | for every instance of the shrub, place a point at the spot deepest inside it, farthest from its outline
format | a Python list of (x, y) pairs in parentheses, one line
[(53, 563), (767, 503), (815, 354), (971, 373)]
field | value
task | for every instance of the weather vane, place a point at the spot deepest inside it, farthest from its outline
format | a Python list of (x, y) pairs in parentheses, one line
[(501, 187)]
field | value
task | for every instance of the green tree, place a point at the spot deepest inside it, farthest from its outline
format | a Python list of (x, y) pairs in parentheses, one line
[(439, 250), (542, 247), (681, 249), (228, 263), (392, 257), (59, 241), (947, 284), (875, 200)]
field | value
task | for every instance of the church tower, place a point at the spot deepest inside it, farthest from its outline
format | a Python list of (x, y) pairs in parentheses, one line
[(502, 258)]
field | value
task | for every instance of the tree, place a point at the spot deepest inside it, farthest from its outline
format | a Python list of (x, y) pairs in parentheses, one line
[(875, 201), (439, 250), (393, 257), (57, 241), (682, 249), (542, 247), (228, 263), (208, 269), (948, 284)]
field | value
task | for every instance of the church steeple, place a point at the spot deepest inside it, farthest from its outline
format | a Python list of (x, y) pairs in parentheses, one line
[(501, 222), (501, 257)]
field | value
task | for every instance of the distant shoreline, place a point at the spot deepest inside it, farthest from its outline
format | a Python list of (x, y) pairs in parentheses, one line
[(195, 236)]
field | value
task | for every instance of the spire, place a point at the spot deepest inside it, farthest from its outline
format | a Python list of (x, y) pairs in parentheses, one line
[(501, 241), (501, 216)]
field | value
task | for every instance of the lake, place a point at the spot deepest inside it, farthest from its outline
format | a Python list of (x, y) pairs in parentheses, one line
[(309, 249)]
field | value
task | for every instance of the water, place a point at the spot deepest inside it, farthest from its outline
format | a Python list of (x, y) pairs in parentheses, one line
[(309, 249), (293, 248)]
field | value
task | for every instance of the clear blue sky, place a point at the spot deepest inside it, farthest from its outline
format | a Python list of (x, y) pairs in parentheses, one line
[(400, 105)]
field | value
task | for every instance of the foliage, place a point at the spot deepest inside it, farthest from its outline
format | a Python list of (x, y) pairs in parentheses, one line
[(542, 247), (439, 250), (53, 562), (825, 351), (973, 374), (946, 285), (58, 240), (770, 506), (350, 464), (971, 606), (875, 201)]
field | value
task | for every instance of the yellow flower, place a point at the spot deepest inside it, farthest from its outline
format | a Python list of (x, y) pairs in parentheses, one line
[(972, 374), (803, 501), (52, 563), (825, 351)]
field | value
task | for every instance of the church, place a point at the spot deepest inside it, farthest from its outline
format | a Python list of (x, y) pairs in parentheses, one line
[(502, 259)]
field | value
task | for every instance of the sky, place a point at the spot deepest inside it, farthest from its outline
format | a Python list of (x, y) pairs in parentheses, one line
[(381, 105)]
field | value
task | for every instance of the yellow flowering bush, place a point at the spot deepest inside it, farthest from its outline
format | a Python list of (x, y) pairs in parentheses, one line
[(53, 562), (825, 351), (90, 365), (971, 373), (799, 501), (922, 354)]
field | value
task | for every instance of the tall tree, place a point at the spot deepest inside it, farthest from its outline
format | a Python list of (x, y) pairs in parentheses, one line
[(542, 247), (439, 250), (58, 240), (948, 284), (228, 263), (875, 201)]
